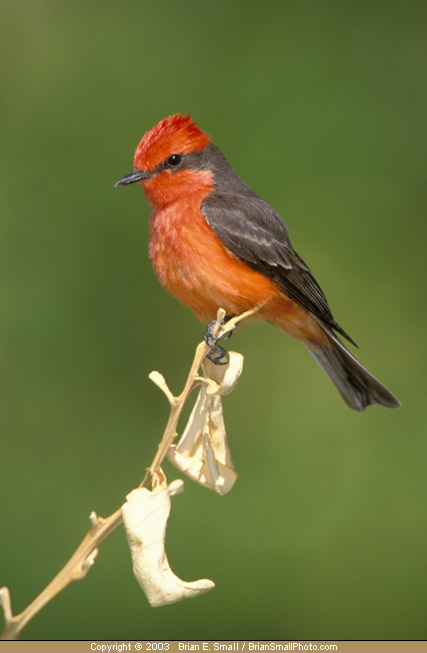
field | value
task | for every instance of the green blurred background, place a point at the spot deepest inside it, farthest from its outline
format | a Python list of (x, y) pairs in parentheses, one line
[(321, 107)]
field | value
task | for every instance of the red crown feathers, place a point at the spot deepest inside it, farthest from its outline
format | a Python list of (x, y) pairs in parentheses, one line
[(174, 135)]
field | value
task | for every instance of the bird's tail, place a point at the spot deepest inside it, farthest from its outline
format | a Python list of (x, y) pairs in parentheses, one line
[(358, 387)]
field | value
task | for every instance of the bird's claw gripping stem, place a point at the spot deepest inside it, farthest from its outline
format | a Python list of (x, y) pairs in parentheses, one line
[(217, 353)]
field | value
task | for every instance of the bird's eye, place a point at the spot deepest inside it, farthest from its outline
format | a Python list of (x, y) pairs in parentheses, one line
[(174, 160)]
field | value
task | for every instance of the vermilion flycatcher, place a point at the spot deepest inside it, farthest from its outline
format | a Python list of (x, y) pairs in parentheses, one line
[(215, 243)]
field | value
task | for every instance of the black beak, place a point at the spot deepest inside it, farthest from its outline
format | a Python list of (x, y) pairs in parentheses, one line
[(133, 177)]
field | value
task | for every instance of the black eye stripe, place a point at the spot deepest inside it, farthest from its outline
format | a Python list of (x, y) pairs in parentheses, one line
[(173, 163), (178, 161)]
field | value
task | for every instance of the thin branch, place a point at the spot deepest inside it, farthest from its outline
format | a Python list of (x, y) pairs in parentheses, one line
[(83, 558)]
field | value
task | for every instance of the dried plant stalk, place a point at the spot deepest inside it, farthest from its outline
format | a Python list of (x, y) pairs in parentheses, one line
[(83, 558)]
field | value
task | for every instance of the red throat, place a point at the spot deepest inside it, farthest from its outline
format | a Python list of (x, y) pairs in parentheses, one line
[(166, 188)]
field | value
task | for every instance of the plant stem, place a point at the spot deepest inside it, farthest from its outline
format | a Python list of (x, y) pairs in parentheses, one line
[(84, 556)]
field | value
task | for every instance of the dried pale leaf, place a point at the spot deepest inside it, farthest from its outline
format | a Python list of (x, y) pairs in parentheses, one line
[(145, 515), (217, 433), (189, 441), (218, 476), (226, 376), (202, 452)]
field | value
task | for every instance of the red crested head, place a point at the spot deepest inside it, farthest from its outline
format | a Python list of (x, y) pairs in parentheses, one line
[(169, 161), (174, 135)]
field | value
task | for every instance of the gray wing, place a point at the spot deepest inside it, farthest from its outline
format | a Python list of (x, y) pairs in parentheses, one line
[(253, 232)]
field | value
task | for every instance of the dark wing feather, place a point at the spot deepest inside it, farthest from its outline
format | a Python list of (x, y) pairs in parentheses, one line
[(253, 232)]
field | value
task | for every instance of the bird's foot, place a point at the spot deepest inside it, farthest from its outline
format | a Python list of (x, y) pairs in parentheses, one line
[(217, 353)]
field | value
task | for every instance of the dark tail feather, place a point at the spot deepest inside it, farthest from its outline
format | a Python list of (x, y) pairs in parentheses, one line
[(358, 387)]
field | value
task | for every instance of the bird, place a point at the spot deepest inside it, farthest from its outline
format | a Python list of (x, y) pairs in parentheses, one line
[(214, 242)]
